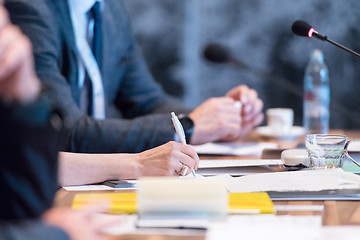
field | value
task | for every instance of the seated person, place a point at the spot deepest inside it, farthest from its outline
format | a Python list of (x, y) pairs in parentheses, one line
[(100, 81), (28, 152), (165, 160)]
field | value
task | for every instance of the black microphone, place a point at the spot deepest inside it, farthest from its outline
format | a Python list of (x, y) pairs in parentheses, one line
[(216, 53), (304, 29)]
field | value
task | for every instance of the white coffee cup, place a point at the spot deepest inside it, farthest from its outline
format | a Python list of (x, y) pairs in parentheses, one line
[(280, 120)]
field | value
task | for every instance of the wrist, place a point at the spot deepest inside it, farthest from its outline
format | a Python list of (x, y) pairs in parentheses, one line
[(136, 166)]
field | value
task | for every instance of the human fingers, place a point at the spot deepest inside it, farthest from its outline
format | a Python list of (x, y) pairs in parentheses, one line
[(222, 110), (248, 126), (92, 214), (179, 161), (232, 132), (8, 41), (96, 206), (258, 120), (256, 108), (4, 18), (15, 55), (251, 97), (193, 161), (238, 93), (76, 223), (221, 105)]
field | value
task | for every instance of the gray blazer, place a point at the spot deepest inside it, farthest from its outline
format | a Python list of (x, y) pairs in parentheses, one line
[(137, 109)]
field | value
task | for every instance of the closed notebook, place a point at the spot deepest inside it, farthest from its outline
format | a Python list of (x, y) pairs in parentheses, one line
[(125, 203)]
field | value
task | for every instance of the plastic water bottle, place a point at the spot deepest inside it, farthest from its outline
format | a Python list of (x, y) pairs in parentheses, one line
[(316, 95)]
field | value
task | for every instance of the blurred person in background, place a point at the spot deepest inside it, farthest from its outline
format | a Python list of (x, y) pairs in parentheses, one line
[(87, 57), (28, 152)]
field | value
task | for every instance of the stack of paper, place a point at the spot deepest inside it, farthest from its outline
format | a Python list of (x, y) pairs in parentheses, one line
[(120, 203), (234, 148), (238, 167), (266, 227), (307, 180)]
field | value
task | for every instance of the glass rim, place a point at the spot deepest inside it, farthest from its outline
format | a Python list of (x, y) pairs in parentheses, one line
[(326, 135)]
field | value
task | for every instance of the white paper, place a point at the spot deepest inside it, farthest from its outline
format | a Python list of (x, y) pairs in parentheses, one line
[(340, 232), (169, 196), (88, 188), (234, 148), (128, 226), (354, 146), (237, 163), (307, 180), (316, 208), (98, 187), (266, 227)]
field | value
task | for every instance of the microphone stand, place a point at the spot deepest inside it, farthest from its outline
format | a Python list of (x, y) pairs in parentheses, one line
[(325, 38)]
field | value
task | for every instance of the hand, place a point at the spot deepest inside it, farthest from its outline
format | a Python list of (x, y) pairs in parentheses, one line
[(252, 106), (167, 160), (18, 81), (217, 119), (78, 224)]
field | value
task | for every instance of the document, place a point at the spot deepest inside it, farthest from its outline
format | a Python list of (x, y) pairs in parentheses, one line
[(305, 180), (237, 167), (234, 148), (270, 227), (237, 163), (126, 203), (100, 187), (97, 187), (235, 171)]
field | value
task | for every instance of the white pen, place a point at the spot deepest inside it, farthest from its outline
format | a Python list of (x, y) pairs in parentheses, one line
[(180, 132)]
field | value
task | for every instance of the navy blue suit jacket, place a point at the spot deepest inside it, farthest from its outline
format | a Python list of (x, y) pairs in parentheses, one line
[(137, 109), (28, 170)]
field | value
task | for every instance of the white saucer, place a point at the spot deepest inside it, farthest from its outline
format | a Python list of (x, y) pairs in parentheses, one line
[(268, 132)]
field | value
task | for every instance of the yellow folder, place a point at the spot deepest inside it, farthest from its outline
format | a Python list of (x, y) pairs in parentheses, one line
[(251, 203), (125, 203)]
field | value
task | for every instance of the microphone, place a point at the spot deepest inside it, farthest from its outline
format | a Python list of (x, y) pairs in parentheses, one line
[(304, 29), (217, 53)]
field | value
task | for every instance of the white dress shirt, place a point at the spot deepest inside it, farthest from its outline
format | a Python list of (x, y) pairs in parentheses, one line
[(83, 25)]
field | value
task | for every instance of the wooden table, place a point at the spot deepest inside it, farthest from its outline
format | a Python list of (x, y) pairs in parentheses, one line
[(334, 213)]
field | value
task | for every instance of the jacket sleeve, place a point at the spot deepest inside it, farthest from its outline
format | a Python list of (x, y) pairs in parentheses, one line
[(31, 230), (84, 134), (28, 159)]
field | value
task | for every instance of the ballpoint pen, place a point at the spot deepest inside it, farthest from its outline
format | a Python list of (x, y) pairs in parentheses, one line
[(180, 132)]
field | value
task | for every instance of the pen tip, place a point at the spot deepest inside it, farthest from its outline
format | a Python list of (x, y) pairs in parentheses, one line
[(173, 114)]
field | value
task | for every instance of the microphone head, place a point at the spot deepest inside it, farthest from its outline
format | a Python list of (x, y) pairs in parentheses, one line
[(302, 28), (216, 53)]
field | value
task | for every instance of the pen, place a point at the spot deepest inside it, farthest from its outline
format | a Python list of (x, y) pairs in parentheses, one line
[(180, 132)]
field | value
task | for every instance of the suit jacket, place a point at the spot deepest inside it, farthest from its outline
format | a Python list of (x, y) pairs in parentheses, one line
[(30, 230), (28, 170), (137, 109), (28, 160)]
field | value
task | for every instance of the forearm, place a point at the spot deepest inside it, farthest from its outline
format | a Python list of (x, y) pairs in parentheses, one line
[(78, 168)]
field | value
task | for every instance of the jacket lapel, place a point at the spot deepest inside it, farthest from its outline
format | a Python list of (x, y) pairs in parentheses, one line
[(67, 30)]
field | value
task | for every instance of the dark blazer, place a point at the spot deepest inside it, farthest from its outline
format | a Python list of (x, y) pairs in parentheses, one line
[(30, 230), (28, 160), (28, 170), (137, 109)]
